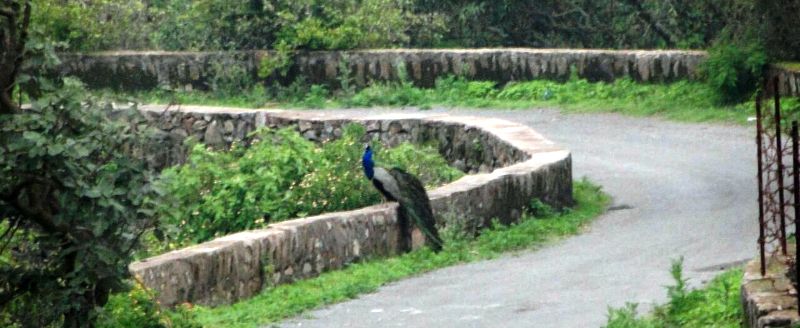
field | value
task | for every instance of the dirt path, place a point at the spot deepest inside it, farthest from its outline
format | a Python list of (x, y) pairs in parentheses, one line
[(679, 190)]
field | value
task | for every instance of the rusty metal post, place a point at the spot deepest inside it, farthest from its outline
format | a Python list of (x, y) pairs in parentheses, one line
[(779, 158), (796, 191), (760, 146)]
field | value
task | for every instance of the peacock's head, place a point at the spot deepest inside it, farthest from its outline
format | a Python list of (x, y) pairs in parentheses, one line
[(368, 163)]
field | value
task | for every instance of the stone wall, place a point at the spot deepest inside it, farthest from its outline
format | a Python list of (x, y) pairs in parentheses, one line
[(788, 80), (193, 70), (511, 164), (769, 300)]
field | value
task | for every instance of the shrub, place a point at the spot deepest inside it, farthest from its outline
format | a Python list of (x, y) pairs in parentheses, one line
[(75, 191), (228, 76), (280, 176), (223, 191), (139, 309), (77, 202), (733, 70)]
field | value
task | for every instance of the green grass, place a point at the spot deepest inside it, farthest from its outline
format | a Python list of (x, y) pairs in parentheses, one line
[(715, 305), (682, 101), (276, 303)]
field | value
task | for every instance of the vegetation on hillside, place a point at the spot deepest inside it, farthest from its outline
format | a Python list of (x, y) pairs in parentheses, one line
[(346, 24)]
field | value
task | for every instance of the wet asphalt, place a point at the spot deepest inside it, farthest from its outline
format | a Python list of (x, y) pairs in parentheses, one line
[(679, 190)]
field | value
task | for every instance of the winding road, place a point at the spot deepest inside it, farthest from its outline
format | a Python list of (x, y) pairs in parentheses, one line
[(679, 190)]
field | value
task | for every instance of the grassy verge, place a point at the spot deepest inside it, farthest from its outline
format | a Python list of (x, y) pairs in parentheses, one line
[(283, 301), (716, 305), (682, 101)]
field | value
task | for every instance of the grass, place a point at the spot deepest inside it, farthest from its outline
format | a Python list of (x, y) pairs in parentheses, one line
[(715, 305), (690, 101), (280, 302)]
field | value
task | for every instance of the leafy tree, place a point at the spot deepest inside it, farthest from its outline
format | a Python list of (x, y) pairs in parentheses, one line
[(781, 30), (585, 23), (97, 24), (290, 25), (74, 197)]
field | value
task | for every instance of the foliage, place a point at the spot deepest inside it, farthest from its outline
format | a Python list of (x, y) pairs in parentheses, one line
[(280, 176), (96, 25), (780, 29), (589, 24), (254, 24), (716, 305), (346, 24), (213, 24), (734, 69), (76, 202), (138, 308), (229, 76), (276, 303), (75, 195)]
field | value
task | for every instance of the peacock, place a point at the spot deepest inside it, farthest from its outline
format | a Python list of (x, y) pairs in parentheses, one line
[(398, 185)]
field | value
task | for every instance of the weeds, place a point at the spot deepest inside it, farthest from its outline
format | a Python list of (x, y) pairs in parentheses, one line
[(716, 305)]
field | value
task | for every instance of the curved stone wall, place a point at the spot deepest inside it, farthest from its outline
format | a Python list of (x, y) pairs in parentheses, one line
[(511, 165), (193, 70)]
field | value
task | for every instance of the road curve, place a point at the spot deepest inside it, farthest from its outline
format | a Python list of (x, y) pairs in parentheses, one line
[(682, 190)]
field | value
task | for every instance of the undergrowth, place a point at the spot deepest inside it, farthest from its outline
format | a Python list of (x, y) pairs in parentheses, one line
[(279, 176), (716, 305), (280, 302)]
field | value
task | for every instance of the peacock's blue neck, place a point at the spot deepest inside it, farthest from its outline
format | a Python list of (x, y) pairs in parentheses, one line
[(368, 164)]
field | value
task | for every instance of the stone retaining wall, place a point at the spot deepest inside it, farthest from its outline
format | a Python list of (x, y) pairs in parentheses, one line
[(193, 70), (511, 164), (770, 300), (788, 80)]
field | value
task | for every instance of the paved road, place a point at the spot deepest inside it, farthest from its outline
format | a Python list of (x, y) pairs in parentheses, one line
[(691, 189)]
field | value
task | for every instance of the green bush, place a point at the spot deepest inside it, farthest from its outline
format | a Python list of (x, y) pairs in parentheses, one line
[(716, 305), (229, 76), (223, 191), (96, 25), (733, 70), (139, 309), (281, 176)]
